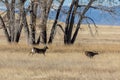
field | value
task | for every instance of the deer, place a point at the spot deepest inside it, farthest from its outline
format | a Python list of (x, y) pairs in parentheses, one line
[(38, 50), (90, 53)]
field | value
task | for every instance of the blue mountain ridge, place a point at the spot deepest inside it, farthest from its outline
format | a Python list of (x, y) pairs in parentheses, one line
[(99, 17)]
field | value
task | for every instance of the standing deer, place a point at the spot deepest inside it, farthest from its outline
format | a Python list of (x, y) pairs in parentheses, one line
[(39, 51)]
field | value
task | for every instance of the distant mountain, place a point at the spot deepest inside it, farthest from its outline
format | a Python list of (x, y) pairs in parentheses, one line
[(100, 17)]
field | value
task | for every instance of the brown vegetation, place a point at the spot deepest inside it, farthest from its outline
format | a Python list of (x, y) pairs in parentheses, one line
[(64, 62), (16, 64)]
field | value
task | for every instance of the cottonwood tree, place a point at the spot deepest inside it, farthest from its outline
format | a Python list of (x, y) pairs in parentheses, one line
[(12, 27), (77, 7), (12, 23), (91, 4), (70, 22), (68, 37), (45, 6), (33, 15), (55, 22)]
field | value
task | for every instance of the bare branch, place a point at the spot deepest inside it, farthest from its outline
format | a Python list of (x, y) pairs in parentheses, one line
[(90, 28), (100, 7), (5, 29), (91, 20), (62, 10), (61, 28), (96, 31)]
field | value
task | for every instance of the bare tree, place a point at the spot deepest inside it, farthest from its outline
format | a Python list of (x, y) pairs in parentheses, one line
[(55, 22), (45, 8), (33, 14), (10, 26), (21, 21), (5, 29), (70, 21), (70, 35), (80, 20), (13, 23)]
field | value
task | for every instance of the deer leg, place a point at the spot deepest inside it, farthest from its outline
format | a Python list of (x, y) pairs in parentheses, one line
[(33, 53), (30, 53), (44, 54)]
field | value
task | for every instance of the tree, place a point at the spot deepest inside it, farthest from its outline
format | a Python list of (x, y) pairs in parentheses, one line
[(33, 14), (80, 20), (21, 22), (45, 8), (13, 23), (70, 21), (78, 9), (11, 28), (55, 22)]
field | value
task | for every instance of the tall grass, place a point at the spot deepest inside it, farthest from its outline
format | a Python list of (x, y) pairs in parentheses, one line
[(64, 62)]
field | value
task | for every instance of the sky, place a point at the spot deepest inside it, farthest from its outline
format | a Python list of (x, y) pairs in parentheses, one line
[(67, 2), (105, 2)]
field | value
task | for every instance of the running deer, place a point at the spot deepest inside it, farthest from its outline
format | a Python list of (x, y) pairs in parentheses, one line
[(39, 51)]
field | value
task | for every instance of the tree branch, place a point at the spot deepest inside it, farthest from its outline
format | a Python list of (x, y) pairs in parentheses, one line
[(100, 7), (96, 31), (5, 29)]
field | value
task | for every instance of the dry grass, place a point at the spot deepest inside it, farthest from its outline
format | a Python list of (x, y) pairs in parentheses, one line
[(64, 62), (19, 65)]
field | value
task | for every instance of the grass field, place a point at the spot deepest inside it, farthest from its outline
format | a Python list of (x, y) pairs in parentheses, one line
[(64, 62)]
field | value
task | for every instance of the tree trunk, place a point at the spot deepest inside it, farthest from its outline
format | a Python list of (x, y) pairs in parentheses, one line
[(55, 22), (5, 29), (15, 25), (12, 20), (49, 3), (45, 8), (67, 22), (80, 20), (33, 13), (26, 29), (19, 22), (72, 22), (76, 31), (8, 17)]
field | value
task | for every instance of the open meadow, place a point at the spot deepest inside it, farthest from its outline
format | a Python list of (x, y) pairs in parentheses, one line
[(64, 62)]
